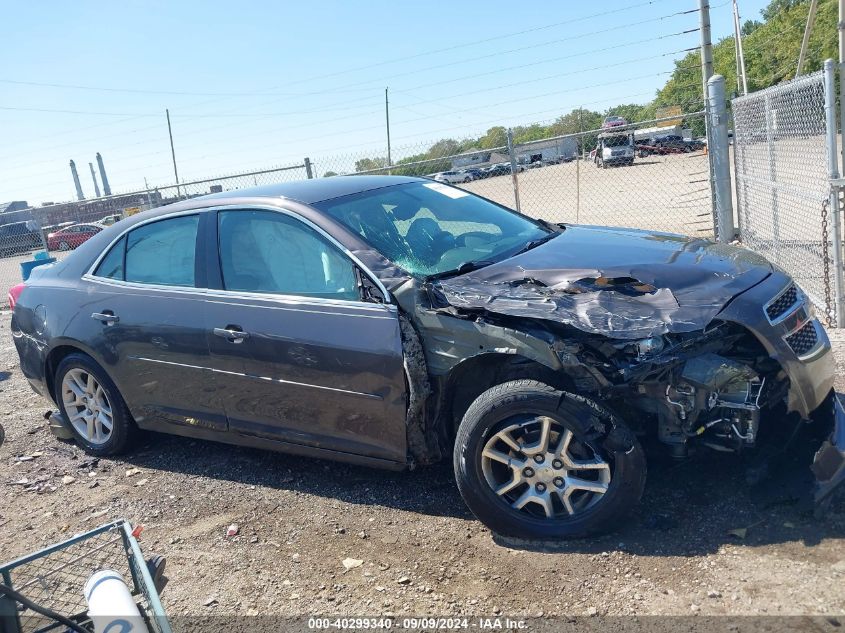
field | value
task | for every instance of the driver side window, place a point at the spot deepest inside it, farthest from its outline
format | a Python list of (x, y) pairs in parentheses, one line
[(269, 252)]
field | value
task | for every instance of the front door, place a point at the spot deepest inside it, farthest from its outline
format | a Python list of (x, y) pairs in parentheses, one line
[(297, 355)]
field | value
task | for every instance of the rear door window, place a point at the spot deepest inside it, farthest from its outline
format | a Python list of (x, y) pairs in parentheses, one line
[(161, 253)]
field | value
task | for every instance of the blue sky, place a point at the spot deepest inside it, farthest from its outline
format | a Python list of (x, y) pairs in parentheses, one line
[(261, 84)]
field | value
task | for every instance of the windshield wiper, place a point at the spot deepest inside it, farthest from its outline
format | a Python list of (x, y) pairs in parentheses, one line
[(537, 242), (466, 267)]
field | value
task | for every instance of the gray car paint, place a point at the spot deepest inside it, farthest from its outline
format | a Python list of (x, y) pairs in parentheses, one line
[(688, 293)]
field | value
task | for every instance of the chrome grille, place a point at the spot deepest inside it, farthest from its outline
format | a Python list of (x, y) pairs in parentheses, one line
[(804, 339), (781, 305)]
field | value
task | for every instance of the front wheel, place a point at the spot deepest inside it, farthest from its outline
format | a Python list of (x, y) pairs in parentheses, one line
[(535, 462), (92, 406)]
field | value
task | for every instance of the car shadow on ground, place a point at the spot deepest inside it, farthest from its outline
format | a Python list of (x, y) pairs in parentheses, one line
[(689, 508)]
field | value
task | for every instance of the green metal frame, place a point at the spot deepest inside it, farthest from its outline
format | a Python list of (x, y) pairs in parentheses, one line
[(141, 579)]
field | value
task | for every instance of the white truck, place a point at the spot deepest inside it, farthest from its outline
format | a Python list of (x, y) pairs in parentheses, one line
[(614, 148)]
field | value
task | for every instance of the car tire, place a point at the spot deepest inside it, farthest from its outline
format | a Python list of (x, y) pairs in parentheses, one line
[(64, 246), (123, 430), (466, 180), (617, 461)]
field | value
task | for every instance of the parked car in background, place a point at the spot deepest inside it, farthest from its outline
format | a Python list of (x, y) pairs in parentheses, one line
[(69, 238), (452, 177), (613, 121), (395, 322), (473, 172), (501, 169), (19, 237), (674, 141), (110, 219)]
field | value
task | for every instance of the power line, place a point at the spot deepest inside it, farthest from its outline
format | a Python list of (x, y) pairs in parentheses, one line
[(379, 126), (350, 88), (346, 105), (423, 101), (265, 93)]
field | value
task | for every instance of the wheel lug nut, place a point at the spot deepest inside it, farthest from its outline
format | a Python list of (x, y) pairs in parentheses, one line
[(528, 472), (541, 487), (557, 464), (559, 482), (538, 459)]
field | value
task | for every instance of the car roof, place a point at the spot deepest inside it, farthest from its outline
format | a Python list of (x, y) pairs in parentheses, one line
[(314, 190), (306, 192)]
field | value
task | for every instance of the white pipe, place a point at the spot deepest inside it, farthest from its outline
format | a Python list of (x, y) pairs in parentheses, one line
[(110, 604)]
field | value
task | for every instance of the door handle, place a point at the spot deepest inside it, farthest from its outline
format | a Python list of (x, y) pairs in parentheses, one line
[(231, 334), (106, 318)]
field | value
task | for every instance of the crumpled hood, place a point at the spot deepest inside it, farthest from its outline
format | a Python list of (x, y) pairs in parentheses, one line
[(619, 282)]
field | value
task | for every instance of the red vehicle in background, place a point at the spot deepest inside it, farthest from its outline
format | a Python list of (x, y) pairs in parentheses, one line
[(613, 121), (70, 237)]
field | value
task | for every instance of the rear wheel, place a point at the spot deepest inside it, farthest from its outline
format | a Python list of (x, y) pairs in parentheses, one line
[(64, 246), (92, 406), (535, 462)]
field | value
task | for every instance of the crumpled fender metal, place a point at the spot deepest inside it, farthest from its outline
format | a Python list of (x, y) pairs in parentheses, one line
[(421, 436)]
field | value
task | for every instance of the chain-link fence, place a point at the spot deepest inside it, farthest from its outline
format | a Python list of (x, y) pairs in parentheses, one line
[(782, 146), (60, 228), (652, 175)]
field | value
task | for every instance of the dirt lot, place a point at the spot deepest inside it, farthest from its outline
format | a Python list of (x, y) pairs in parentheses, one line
[(664, 193), (422, 552)]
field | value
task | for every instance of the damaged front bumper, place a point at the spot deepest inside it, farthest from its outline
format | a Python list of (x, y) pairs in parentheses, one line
[(808, 362), (829, 463)]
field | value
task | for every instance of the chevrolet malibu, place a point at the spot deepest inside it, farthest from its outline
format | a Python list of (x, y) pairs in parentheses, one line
[(392, 322)]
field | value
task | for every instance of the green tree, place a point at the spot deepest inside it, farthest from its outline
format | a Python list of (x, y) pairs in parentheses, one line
[(775, 7), (444, 147), (632, 112), (369, 164), (495, 137), (533, 132), (329, 174)]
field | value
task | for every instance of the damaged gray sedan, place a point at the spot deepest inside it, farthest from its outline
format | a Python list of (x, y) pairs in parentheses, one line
[(393, 321)]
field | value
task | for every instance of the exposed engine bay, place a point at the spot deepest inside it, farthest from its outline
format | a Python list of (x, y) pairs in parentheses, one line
[(713, 398)]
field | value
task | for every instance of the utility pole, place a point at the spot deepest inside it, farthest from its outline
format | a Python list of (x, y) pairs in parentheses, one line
[(387, 124), (740, 54), (811, 18), (173, 154), (706, 73), (841, 28), (706, 45)]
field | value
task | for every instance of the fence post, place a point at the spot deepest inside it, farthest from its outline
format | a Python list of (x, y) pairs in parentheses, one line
[(717, 146), (512, 155), (308, 171), (833, 173)]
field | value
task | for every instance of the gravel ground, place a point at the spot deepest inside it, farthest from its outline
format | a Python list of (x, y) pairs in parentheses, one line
[(420, 551)]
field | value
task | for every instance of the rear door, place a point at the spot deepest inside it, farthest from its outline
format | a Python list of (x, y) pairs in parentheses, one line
[(144, 317), (298, 356)]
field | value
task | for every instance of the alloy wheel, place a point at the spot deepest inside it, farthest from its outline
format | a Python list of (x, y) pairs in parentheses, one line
[(87, 406), (538, 466)]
